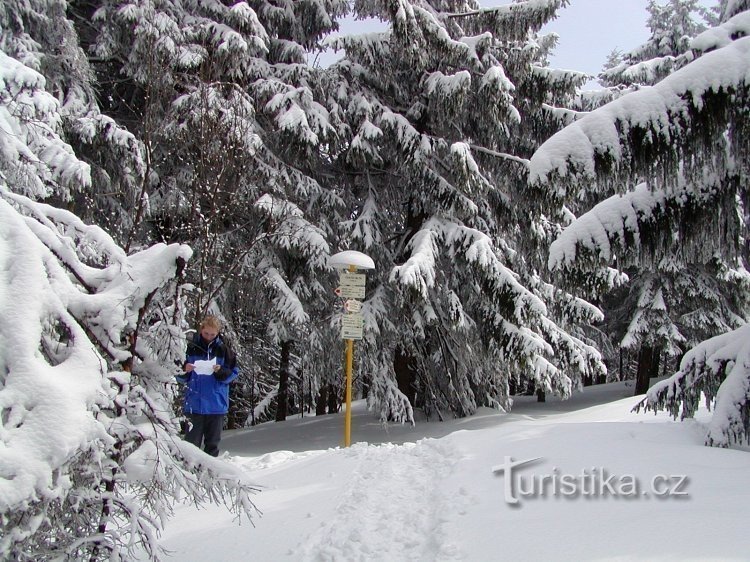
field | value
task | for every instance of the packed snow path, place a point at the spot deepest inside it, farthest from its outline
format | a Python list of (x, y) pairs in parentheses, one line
[(393, 508)]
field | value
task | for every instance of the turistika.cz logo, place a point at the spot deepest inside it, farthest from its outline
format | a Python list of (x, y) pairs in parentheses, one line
[(595, 482)]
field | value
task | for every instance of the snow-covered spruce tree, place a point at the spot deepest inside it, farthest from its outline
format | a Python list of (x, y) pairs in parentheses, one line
[(442, 110), (668, 306), (687, 137), (672, 26), (299, 208), (614, 58), (91, 459), (225, 102), (646, 318), (294, 259), (42, 36), (175, 73)]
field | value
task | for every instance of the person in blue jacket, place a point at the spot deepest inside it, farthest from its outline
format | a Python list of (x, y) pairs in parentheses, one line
[(207, 392)]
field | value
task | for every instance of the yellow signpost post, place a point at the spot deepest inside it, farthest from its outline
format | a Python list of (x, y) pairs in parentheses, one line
[(351, 287)]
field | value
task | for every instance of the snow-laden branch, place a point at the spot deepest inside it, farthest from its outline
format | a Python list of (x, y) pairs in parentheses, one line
[(32, 155), (646, 224), (717, 370), (459, 241), (90, 456), (512, 20), (722, 35), (611, 226), (657, 113), (39, 398), (110, 293), (364, 226), (523, 161), (286, 302), (418, 271), (291, 230)]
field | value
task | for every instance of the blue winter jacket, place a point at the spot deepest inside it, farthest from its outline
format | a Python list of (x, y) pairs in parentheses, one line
[(209, 394)]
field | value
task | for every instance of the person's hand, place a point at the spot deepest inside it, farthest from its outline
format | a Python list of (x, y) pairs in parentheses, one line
[(188, 368), (221, 373)]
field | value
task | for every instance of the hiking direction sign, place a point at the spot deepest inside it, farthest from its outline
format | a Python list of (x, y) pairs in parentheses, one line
[(351, 285), (352, 326), (352, 288)]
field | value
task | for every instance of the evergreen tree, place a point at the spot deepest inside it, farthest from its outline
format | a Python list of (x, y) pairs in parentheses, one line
[(92, 460), (294, 260), (42, 36), (439, 114), (672, 26), (614, 58), (655, 336), (227, 108), (687, 136)]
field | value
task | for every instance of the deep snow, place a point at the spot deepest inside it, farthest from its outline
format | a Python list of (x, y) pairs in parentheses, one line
[(437, 498)]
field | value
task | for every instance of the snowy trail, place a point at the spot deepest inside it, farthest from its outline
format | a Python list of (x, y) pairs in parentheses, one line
[(326, 432), (394, 508), (440, 500)]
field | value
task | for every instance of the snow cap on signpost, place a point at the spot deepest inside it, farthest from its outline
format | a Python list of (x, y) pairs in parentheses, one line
[(349, 258)]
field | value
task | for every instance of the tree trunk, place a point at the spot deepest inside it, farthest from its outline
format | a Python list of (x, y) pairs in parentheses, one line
[(648, 367), (540, 395), (404, 364), (283, 395), (406, 375), (321, 400), (334, 404)]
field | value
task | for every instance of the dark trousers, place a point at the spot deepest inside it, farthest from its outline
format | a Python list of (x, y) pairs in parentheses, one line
[(205, 429)]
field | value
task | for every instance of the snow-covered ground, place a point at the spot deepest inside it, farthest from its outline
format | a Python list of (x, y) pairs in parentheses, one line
[(606, 484)]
